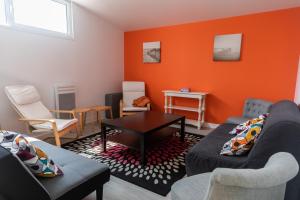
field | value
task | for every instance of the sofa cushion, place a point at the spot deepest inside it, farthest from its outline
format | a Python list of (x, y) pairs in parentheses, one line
[(237, 120), (16, 181), (242, 142), (23, 95), (132, 90), (60, 123), (141, 102), (256, 107), (245, 125), (33, 157), (205, 155), (133, 109), (79, 172)]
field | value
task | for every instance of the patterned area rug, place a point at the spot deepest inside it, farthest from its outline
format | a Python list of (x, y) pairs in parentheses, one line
[(165, 160)]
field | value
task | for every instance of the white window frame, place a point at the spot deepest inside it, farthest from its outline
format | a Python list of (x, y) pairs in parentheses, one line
[(10, 21)]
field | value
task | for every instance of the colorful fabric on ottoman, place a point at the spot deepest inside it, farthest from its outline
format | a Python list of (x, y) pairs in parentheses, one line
[(244, 126), (33, 157), (243, 142)]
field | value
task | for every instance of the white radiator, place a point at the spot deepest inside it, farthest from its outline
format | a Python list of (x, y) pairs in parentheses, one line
[(65, 98)]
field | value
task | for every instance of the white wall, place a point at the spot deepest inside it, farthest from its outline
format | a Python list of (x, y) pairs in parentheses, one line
[(297, 90), (93, 61)]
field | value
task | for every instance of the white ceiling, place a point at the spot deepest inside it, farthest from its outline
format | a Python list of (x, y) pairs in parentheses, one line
[(140, 14)]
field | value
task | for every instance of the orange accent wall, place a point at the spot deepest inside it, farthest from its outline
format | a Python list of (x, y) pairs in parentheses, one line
[(267, 70)]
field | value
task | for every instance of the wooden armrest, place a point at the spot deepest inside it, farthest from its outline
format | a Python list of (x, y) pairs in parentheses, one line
[(65, 111), (38, 120)]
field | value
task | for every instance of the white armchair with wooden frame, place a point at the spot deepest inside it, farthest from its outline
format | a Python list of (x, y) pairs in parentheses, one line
[(27, 102), (132, 90)]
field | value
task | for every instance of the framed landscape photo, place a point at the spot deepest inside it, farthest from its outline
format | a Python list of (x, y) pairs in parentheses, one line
[(227, 47), (151, 52)]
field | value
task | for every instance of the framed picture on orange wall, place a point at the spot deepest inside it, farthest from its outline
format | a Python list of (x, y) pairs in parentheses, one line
[(151, 52), (228, 47)]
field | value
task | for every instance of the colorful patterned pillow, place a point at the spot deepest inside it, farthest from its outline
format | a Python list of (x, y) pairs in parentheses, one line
[(243, 142), (242, 127), (33, 157)]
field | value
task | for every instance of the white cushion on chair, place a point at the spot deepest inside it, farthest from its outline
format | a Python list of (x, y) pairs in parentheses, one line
[(26, 101), (134, 109), (131, 91), (60, 123), (35, 111)]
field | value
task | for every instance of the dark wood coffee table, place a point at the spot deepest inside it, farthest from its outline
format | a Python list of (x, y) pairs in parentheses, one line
[(142, 125)]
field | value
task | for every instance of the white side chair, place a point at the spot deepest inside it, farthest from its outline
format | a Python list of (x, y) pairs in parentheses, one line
[(27, 103), (131, 91)]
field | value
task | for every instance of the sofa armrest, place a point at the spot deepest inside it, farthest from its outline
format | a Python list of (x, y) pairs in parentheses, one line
[(16, 181), (78, 180)]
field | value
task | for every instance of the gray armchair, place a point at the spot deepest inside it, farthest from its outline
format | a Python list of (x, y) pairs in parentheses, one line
[(268, 183), (252, 108)]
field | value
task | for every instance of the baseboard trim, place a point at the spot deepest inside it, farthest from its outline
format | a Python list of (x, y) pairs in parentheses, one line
[(210, 125), (205, 125)]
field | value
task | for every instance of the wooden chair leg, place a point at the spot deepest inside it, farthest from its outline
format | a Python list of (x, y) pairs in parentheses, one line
[(99, 121), (148, 106), (81, 122), (78, 131), (57, 139), (84, 119), (99, 193), (121, 108)]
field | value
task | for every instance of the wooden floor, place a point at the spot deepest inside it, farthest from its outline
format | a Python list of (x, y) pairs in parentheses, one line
[(118, 189)]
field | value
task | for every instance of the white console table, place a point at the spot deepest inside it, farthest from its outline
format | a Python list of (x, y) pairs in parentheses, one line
[(200, 96)]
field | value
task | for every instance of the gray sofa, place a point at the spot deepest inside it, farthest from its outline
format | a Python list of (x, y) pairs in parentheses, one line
[(268, 183), (81, 177), (281, 133), (252, 108)]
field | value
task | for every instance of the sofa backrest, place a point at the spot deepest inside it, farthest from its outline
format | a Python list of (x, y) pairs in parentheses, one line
[(281, 133), (255, 107), (16, 181), (248, 184)]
